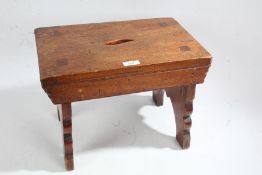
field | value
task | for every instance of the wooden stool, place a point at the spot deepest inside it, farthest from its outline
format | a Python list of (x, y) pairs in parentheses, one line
[(88, 61)]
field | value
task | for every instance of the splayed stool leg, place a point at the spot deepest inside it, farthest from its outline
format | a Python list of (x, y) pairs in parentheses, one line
[(158, 97), (182, 102), (65, 113)]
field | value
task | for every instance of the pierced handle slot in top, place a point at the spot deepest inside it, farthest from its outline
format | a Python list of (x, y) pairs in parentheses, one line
[(118, 41)]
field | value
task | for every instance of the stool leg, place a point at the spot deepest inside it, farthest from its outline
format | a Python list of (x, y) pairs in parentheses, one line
[(158, 97), (182, 102), (65, 112)]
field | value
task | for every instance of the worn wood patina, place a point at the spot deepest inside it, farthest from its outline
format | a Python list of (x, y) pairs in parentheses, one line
[(88, 61)]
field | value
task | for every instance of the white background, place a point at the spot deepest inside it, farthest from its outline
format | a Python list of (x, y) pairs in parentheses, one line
[(128, 134)]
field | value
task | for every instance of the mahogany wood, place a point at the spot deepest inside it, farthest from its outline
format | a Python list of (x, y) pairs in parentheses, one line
[(158, 97), (182, 102), (65, 112), (86, 61), (71, 58)]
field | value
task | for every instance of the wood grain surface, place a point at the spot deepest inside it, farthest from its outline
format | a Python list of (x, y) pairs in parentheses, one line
[(78, 52), (85, 61), (88, 61), (65, 113), (182, 102)]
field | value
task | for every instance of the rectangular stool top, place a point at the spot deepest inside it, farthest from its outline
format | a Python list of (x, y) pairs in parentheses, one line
[(73, 53)]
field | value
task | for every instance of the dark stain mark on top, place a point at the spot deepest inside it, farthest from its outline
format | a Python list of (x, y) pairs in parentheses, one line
[(62, 62), (55, 33), (184, 48), (162, 24)]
